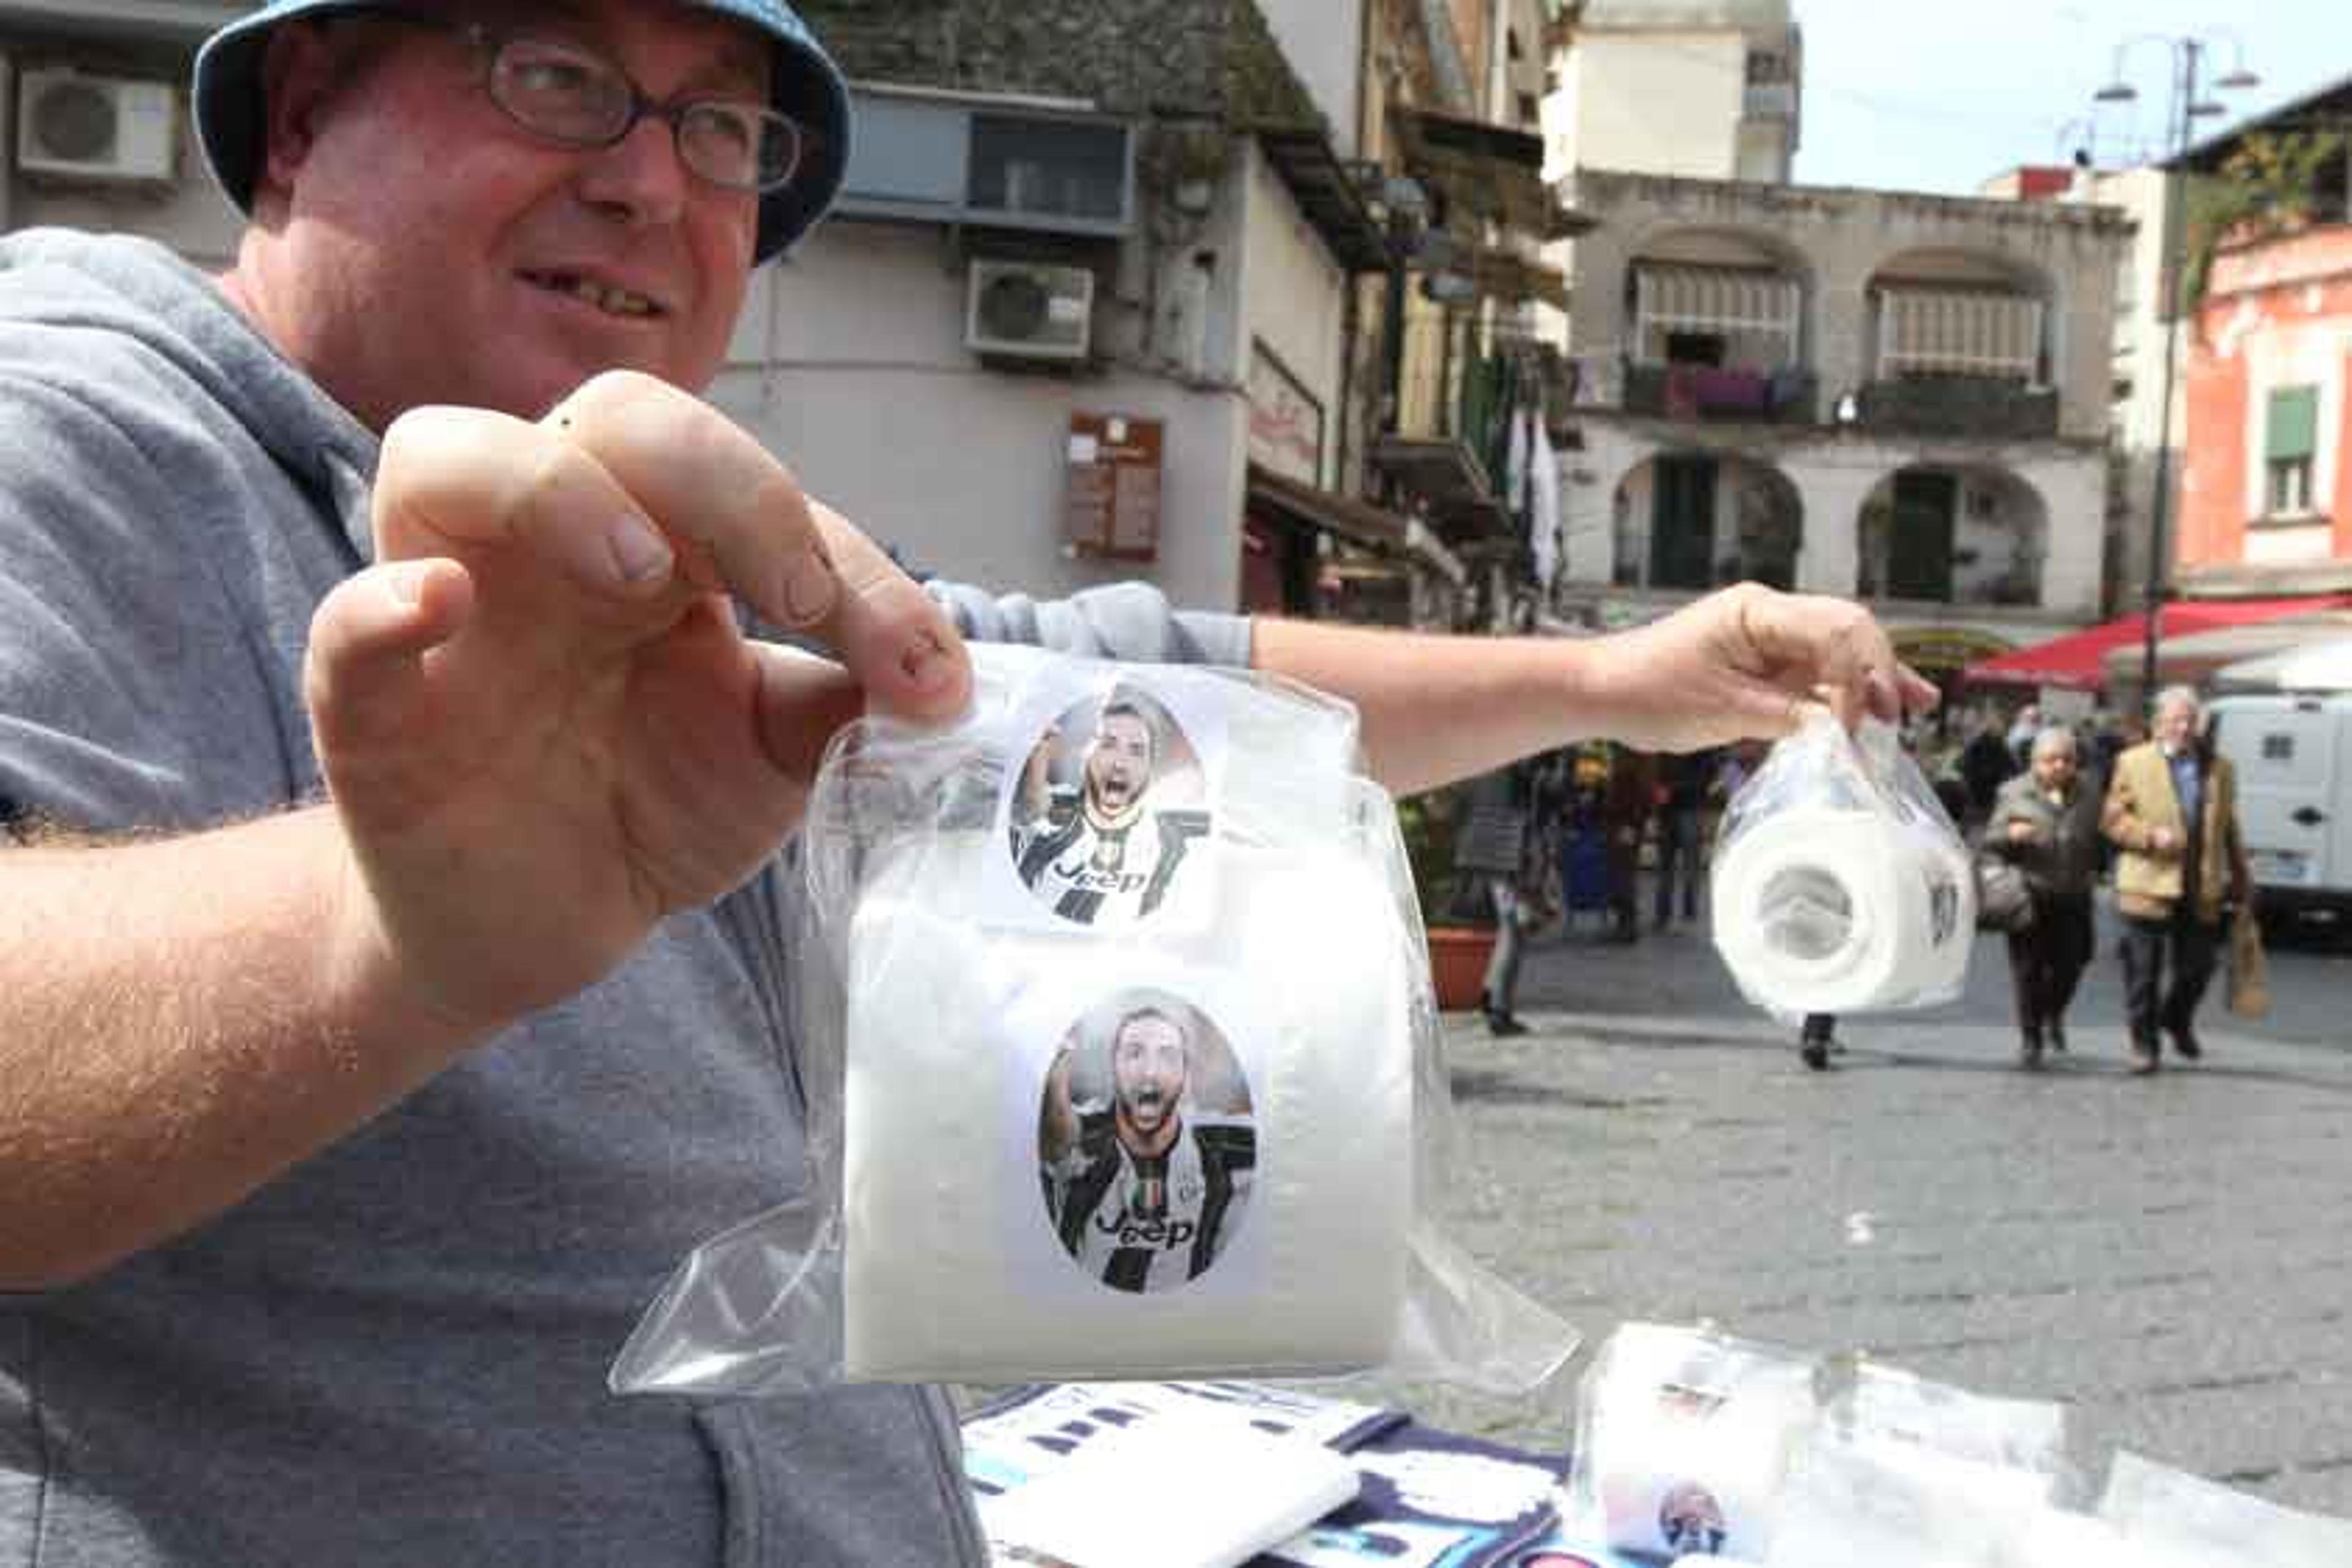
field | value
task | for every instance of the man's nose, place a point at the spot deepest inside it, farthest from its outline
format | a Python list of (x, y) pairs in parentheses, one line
[(641, 179)]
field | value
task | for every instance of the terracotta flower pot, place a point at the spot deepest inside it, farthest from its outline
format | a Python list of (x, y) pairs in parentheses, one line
[(1457, 964)]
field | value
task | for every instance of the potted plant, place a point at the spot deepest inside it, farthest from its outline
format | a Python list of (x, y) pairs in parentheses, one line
[(1454, 910)]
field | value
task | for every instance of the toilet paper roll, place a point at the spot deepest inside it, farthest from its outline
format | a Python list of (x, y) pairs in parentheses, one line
[(954, 1267), (1818, 909), (1671, 1485)]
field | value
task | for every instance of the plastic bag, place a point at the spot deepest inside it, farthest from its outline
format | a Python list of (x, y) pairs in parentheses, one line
[(1904, 1473), (1120, 1061), (2168, 1519), (1840, 885), (1684, 1440)]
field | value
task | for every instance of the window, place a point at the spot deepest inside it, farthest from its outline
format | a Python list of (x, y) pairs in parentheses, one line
[(2289, 487), (2290, 436), (1068, 168)]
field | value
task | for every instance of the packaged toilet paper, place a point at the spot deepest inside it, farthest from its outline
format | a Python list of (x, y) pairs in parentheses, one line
[(1121, 1062), (1684, 1440), (1840, 885)]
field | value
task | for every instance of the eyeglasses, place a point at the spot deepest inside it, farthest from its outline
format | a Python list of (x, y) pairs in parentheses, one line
[(573, 95)]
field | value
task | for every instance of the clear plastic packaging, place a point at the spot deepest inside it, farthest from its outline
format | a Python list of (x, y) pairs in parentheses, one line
[(1684, 1440), (2168, 1519), (1840, 885), (1904, 1473), (1120, 1059)]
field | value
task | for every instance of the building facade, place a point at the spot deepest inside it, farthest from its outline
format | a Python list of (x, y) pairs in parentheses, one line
[(121, 64), (1893, 397), (1704, 89), (2266, 493)]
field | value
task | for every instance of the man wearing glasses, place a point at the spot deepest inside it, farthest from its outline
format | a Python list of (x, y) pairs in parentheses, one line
[(394, 969)]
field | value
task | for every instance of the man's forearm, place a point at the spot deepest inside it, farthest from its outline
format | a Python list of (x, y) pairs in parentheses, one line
[(180, 1021), (1436, 709)]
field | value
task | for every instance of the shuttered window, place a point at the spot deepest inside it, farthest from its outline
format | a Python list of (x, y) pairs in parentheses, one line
[(1952, 331), (2293, 429)]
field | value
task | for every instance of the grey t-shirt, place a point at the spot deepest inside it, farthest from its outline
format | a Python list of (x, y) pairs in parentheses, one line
[(396, 1351)]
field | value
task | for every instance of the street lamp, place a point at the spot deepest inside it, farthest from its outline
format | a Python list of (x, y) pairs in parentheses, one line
[(2187, 107)]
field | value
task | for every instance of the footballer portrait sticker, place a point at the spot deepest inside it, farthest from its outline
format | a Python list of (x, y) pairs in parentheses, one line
[(1146, 1141), (1108, 819)]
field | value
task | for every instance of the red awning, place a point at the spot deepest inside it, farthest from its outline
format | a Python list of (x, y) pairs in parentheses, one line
[(2073, 661)]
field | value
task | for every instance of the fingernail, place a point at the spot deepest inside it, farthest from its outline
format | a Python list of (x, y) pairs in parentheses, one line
[(405, 582), (809, 588), (639, 550), (925, 662)]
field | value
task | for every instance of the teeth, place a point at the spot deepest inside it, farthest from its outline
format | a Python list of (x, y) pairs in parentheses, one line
[(612, 301)]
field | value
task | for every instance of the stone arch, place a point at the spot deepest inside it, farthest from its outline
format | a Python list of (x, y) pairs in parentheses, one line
[(1966, 533), (1684, 519)]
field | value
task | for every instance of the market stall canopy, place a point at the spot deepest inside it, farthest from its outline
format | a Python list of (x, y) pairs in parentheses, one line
[(2315, 667), (2075, 662), (2200, 655)]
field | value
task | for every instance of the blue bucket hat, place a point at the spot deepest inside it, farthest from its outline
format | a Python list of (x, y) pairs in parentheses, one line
[(808, 86)]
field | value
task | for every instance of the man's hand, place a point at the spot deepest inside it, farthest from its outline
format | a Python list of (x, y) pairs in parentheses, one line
[(1746, 661), (540, 725), (2162, 840), (2020, 832)]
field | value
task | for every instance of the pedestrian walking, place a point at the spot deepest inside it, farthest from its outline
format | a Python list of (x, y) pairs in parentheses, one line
[(1816, 1038), (2171, 811), (1494, 850), (1681, 803), (2046, 821), (1631, 796), (1985, 765)]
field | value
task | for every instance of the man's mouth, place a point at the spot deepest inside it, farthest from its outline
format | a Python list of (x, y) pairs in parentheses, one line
[(612, 301)]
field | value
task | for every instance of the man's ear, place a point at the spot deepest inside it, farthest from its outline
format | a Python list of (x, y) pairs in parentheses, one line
[(299, 74)]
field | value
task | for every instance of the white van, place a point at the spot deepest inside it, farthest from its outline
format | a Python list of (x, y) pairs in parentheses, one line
[(2293, 757)]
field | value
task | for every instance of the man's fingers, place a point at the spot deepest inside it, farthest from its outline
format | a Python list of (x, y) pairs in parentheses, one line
[(739, 517), (363, 676), (1836, 646), (456, 481)]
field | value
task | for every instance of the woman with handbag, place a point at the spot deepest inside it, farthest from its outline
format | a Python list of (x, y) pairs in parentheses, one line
[(2045, 822)]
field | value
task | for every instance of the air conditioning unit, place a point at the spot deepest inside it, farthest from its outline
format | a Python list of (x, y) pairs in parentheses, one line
[(96, 127), (1029, 310)]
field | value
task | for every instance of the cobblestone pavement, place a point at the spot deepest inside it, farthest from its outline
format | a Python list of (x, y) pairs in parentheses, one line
[(2171, 1256)]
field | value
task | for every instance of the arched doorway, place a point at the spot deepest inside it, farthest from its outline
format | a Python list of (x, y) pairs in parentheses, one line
[(1952, 534), (1694, 520)]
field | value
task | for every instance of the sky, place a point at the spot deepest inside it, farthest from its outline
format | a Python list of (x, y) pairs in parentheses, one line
[(1928, 95)]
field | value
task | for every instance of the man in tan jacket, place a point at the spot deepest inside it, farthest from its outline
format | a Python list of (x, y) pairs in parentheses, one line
[(2172, 811)]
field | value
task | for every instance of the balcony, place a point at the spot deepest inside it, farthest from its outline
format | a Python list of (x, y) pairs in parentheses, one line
[(1448, 443), (1975, 407), (1711, 395)]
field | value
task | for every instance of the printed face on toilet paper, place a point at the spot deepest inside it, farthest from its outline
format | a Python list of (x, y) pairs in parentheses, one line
[(1110, 821), (1147, 1142)]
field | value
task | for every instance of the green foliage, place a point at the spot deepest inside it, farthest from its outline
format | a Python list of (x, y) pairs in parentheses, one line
[(2268, 185), (1430, 822)]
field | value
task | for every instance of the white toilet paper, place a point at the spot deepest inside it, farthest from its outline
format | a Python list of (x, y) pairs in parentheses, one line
[(954, 1268), (1818, 910)]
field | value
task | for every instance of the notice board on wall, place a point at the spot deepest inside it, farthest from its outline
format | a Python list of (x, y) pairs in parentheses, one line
[(1111, 505)]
